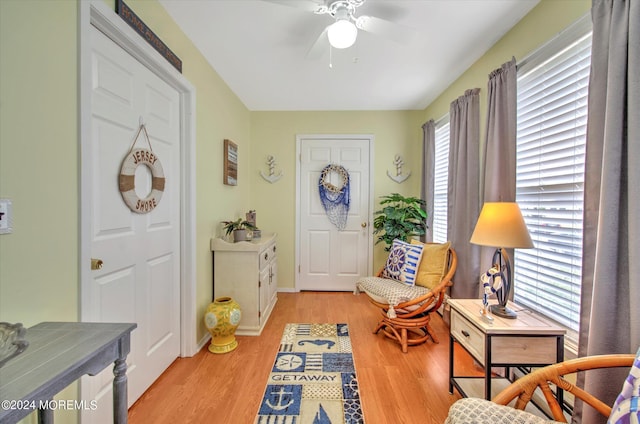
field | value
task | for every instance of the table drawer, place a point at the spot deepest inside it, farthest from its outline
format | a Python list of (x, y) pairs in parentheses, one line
[(532, 350), (470, 337)]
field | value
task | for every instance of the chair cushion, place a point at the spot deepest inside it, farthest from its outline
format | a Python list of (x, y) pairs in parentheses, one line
[(626, 409), (387, 291), (480, 411), (433, 265), (402, 263)]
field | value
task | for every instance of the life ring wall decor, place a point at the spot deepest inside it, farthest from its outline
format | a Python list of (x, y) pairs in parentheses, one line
[(126, 179), (341, 172), (334, 199)]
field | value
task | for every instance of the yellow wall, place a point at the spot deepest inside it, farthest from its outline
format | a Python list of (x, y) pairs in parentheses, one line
[(39, 157), (274, 133), (39, 163)]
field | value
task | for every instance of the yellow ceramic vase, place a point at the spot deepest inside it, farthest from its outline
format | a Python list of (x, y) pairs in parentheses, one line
[(222, 319)]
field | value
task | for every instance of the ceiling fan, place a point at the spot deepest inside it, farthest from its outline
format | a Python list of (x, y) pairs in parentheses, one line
[(342, 33)]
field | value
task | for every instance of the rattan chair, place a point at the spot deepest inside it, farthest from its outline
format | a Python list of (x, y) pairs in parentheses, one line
[(406, 318), (477, 411)]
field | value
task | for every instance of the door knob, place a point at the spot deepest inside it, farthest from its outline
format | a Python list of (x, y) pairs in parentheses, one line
[(364, 225), (96, 264)]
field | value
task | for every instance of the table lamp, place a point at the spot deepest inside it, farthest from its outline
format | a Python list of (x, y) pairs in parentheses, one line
[(501, 225)]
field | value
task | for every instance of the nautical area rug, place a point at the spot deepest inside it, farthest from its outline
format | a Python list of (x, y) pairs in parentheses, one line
[(313, 379)]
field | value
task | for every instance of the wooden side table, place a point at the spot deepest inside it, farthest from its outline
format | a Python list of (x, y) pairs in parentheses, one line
[(526, 341)]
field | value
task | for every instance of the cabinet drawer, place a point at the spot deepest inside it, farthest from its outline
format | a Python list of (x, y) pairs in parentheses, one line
[(267, 255), (471, 338)]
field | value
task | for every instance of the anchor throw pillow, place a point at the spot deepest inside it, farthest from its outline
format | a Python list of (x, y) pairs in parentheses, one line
[(402, 263)]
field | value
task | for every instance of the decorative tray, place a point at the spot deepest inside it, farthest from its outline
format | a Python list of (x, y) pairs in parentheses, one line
[(12, 341)]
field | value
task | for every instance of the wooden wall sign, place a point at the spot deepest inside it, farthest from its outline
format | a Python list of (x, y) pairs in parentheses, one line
[(230, 163), (141, 28)]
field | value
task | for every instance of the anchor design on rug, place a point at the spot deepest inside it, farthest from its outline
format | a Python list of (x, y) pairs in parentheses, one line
[(279, 406), (318, 342), (321, 417)]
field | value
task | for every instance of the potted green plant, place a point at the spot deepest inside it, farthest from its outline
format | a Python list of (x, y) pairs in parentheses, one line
[(400, 218), (239, 229)]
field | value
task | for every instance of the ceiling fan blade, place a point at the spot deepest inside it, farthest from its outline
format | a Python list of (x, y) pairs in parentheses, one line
[(308, 5), (319, 46), (396, 32)]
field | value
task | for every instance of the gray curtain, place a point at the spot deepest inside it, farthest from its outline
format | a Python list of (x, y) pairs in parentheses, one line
[(610, 302), (428, 170), (499, 156), (464, 191)]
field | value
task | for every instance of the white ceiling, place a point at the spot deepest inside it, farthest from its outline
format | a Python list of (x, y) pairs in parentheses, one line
[(259, 48)]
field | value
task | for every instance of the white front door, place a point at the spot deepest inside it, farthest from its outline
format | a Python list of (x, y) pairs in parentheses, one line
[(329, 258), (140, 277)]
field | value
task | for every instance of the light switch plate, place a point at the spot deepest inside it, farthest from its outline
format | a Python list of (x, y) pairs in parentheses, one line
[(6, 216)]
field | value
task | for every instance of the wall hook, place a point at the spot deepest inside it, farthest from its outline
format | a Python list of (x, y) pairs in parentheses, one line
[(399, 177), (271, 177)]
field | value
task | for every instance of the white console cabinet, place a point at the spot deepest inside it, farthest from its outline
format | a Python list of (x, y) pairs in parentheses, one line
[(247, 271)]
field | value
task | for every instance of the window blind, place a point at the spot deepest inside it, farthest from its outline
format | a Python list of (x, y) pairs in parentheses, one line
[(551, 135), (440, 181)]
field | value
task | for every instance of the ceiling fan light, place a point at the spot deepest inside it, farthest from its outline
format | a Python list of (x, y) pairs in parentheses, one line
[(342, 34)]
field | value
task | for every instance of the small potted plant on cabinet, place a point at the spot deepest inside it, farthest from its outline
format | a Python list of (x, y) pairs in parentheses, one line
[(238, 228)]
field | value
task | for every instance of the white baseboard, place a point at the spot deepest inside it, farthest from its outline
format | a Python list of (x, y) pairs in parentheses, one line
[(203, 342), (287, 290)]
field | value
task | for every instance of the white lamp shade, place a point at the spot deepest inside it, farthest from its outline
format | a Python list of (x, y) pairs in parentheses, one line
[(342, 34), (501, 224)]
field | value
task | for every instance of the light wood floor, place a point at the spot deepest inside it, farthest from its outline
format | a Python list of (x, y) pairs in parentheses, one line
[(395, 388)]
